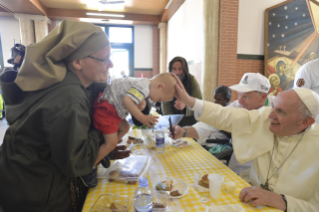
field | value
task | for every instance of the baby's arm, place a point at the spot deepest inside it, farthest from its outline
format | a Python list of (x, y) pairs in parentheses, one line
[(131, 106), (110, 142)]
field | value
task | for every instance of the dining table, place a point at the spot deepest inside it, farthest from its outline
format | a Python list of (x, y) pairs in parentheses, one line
[(183, 163)]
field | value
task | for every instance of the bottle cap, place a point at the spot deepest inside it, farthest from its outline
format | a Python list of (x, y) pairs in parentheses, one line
[(143, 182)]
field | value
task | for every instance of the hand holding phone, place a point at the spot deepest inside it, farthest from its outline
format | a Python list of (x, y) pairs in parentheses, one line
[(171, 127)]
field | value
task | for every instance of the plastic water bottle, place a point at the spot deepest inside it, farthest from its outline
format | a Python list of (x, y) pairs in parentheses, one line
[(160, 140), (143, 197)]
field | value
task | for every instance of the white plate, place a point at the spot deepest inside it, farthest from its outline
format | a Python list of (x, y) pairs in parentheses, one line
[(180, 143), (179, 185)]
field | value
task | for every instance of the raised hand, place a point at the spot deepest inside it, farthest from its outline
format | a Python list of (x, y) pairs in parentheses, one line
[(181, 94)]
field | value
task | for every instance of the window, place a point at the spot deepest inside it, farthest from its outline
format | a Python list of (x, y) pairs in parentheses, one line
[(120, 35), (122, 42)]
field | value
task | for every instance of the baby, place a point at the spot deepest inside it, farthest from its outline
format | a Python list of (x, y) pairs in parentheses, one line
[(123, 96)]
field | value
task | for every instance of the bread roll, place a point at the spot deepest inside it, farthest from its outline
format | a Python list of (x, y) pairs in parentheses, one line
[(118, 207), (204, 181)]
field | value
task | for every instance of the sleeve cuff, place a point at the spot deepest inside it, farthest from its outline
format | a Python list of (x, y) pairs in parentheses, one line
[(198, 108)]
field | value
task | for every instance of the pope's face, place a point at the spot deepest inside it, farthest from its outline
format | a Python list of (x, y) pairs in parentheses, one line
[(285, 119)]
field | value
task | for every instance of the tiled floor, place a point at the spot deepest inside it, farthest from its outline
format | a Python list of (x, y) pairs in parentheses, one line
[(3, 128)]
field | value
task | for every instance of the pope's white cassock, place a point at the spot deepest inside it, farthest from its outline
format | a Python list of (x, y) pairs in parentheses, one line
[(298, 177)]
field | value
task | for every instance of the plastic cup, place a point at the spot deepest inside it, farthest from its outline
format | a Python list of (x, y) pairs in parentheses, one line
[(230, 186), (215, 185)]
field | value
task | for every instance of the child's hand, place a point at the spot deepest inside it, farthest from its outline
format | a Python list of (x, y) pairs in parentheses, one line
[(150, 121)]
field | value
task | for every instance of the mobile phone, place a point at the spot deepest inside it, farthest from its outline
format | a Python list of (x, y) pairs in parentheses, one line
[(171, 126)]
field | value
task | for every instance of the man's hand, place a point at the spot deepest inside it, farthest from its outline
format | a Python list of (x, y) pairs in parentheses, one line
[(179, 105), (258, 196), (120, 152), (178, 132), (17, 60), (181, 94), (149, 120)]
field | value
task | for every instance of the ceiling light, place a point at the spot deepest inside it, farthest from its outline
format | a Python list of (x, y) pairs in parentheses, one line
[(104, 14), (120, 22), (94, 20)]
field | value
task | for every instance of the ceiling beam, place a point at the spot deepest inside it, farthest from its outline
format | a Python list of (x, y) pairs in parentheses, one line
[(168, 13), (21, 6), (59, 14), (40, 6), (4, 9), (6, 14)]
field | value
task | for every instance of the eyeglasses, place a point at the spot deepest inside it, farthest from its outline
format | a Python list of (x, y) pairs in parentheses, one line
[(104, 61)]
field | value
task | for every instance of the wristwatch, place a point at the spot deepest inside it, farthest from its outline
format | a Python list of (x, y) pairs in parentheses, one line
[(285, 199), (185, 132)]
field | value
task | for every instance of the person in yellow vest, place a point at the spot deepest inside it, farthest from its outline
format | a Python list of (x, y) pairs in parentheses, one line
[(281, 140)]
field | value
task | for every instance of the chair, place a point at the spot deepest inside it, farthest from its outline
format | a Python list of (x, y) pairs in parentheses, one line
[(225, 154)]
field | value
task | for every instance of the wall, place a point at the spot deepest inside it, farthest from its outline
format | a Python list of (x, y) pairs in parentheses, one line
[(241, 34), (251, 30), (185, 36), (143, 51), (143, 48), (9, 30)]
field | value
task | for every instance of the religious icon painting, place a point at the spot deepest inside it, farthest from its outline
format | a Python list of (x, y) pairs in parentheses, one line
[(291, 40)]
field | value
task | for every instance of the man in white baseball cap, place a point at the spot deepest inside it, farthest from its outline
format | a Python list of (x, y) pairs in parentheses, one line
[(252, 82), (282, 141), (252, 94)]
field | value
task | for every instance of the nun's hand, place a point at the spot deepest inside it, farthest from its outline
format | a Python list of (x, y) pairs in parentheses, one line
[(120, 152), (181, 94)]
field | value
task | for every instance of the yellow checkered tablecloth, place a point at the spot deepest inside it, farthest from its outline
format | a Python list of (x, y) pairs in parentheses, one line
[(181, 163)]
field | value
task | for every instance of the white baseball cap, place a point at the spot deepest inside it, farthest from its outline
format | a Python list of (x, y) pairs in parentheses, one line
[(310, 99), (252, 82)]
